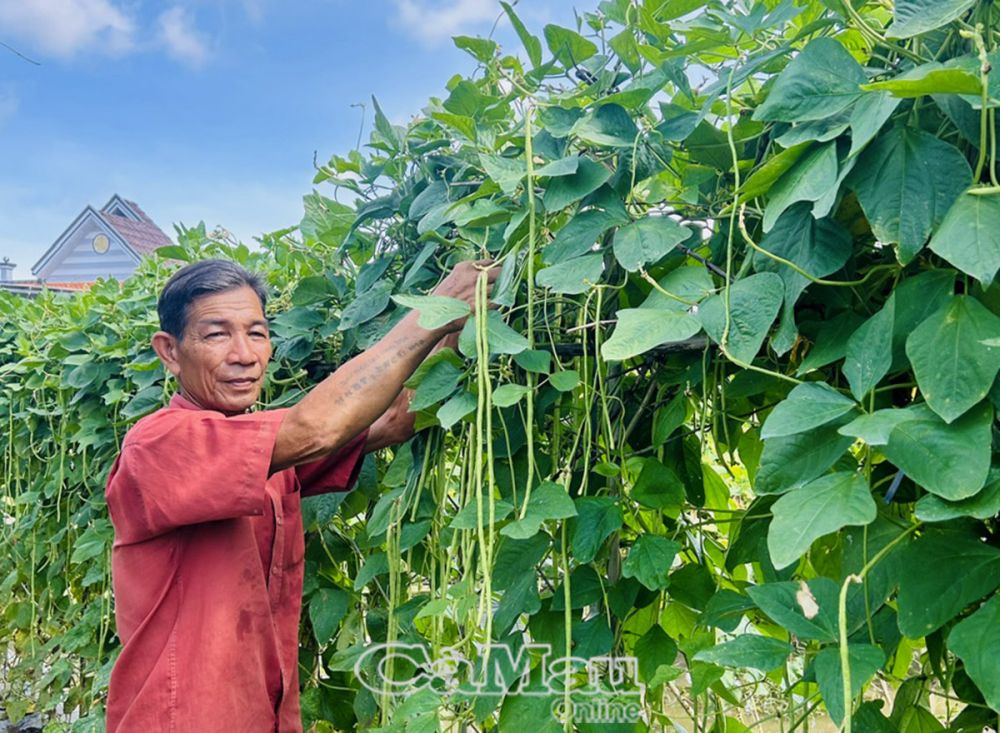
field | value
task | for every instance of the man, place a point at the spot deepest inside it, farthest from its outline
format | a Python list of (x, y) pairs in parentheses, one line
[(207, 562)]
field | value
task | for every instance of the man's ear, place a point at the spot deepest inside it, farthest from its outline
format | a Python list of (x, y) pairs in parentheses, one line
[(165, 345)]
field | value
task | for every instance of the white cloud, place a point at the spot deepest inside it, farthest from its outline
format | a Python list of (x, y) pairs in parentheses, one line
[(64, 27), (434, 21), (179, 36)]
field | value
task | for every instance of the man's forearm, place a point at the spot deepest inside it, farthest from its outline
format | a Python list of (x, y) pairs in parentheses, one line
[(353, 397)]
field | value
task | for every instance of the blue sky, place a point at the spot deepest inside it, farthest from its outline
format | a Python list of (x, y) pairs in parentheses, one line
[(209, 109)]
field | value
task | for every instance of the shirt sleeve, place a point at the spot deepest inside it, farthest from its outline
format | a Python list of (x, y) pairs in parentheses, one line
[(336, 472), (188, 467)]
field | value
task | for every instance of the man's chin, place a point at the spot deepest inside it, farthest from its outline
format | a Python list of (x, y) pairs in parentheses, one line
[(235, 402)]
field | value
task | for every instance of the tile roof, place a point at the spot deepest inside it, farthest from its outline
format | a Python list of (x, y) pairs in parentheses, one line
[(142, 236), (32, 285)]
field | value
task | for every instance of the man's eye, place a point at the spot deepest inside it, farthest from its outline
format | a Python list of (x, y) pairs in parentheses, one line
[(258, 334), (215, 334)]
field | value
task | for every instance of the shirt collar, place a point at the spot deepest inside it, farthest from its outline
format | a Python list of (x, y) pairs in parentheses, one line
[(179, 401)]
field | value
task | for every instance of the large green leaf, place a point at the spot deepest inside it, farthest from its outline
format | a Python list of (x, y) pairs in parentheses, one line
[(653, 649), (984, 505), (572, 276), (953, 367), (565, 190), (912, 17), (816, 509), (647, 241), (952, 461), (869, 351), (658, 486), (929, 78), (810, 179), (808, 406), (579, 235), (597, 518), (435, 310), (817, 246), (608, 125), (969, 236), (875, 427), (810, 613), (906, 181), (753, 305), (821, 81), (549, 500), (532, 45), (791, 461), (649, 560), (939, 575), (748, 650), (868, 116), (863, 661), (642, 329), (327, 608), (975, 641), (568, 46)]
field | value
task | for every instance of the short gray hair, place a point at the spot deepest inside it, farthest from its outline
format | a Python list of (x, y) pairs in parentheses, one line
[(191, 282)]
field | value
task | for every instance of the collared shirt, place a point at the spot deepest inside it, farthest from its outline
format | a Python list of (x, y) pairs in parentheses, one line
[(207, 567)]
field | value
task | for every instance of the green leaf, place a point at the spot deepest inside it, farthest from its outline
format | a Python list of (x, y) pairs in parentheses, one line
[(874, 428), (509, 394), (809, 612), (568, 47), (376, 564), (929, 78), (687, 284), (501, 338), (649, 561), (725, 610), (548, 500), (953, 367), (748, 650), (820, 507), (863, 661), (467, 517), (455, 409), (563, 167), (807, 406), (647, 241), (532, 45), (753, 303), (950, 460), (940, 574), (791, 461), (365, 307), (565, 380), (974, 640), (598, 517), (579, 234), (435, 310), (565, 190), (763, 179), (906, 181), (969, 236), (481, 49), (668, 418), (436, 384), (534, 360), (984, 505), (609, 125), (869, 351), (642, 329), (572, 277), (821, 81), (327, 608), (831, 343), (913, 17), (507, 172), (658, 486), (652, 650), (868, 116), (810, 179)]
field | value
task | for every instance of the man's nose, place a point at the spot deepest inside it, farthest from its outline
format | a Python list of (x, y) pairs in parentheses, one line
[(242, 350)]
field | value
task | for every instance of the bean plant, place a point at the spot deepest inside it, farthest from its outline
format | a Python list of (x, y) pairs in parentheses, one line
[(728, 411)]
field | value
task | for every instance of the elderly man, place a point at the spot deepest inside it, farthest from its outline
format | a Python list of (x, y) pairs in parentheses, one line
[(205, 495)]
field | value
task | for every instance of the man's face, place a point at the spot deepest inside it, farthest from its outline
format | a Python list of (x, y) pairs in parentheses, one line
[(220, 362)]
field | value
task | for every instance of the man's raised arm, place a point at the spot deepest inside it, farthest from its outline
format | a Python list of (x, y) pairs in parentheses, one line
[(359, 392)]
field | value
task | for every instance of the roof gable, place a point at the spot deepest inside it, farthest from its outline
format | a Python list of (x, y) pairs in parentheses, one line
[(70, 244)]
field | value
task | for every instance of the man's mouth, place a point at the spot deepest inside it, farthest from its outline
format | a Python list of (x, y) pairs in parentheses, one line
[(242, 381)]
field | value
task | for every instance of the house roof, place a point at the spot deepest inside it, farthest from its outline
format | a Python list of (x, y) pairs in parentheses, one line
[(30, 287), (142, 236), (136, 231)]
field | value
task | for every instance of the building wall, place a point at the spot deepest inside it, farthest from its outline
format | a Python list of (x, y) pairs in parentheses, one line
[(78, 262)]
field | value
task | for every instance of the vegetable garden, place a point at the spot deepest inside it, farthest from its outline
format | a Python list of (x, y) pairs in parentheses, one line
[(733, 417)]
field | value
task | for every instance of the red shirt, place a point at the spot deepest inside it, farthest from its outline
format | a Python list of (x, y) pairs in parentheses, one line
[(207, 567)]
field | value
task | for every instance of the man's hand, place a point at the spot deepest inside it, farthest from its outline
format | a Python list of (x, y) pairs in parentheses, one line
[(461, 285), (363, 389)]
